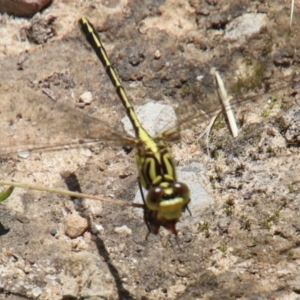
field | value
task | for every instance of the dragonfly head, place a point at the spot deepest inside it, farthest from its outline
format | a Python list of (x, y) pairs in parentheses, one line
[(165, 204)]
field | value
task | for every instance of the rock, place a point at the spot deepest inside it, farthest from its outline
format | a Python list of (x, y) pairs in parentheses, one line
[(23, 8), (86, 98), (75, 226), (244, 27), (36, 291), (291, 120), (123, 230), (155, 117)]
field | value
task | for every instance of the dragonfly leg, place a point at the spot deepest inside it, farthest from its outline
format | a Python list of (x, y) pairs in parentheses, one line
[(187, 208), (141, 191)]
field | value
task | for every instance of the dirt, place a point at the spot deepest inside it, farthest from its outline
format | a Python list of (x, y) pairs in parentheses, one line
[(246, 245)]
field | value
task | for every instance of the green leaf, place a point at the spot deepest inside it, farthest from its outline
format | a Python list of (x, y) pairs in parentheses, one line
[(5, 194)]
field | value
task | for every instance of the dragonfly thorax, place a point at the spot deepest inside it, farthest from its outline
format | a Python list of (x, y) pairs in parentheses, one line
[(155, 166)]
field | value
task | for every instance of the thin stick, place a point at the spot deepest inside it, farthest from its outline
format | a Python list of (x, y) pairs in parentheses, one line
[(292, 12), (208, 130), (226, 104), (69, 193)]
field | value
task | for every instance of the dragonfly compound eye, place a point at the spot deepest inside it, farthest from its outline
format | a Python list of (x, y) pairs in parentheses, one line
[(154, 197), (182, 190)]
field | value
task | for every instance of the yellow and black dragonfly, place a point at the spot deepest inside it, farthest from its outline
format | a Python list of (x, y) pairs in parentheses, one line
[(166, 197)]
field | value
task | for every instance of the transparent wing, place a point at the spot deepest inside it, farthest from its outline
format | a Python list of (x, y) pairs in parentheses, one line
[(243, 104), (41, 123)]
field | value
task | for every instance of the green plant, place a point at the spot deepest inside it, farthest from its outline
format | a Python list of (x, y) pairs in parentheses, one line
[(222, 248), (265, 113), (204, 227)]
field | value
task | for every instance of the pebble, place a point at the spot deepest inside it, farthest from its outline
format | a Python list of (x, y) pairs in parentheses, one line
[(244, 27), (157, 54), (86, 98), (154, 116), (124, 230), (97, 228), (53, 232), (36, 292), (95, 208), (75, 225)]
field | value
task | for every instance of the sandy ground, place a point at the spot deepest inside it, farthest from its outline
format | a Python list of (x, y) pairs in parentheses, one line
[(245, 245)]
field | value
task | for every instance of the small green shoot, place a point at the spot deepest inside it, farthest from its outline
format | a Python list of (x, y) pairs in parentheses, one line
[(215, 154), (229, 207), (228, 211), (230, 202), (269, 220), (291, 254), (5, 194), (223, 248), (267, 224), (265, 113), (253, 78), (267, 47), (291, 189), (247, 225), (254, 203), (270, 149), (247, 129), (204, 227), (219, 123), (194, 91), (218, 169)]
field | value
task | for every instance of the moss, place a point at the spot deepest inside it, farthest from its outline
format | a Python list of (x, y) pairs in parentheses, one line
[(267, 47), (228, 211), (219, 123), (247, 129), (267, 224), (229, 207), (230, 202), (204, 227), (270, 149), (194, 91), (265, 113), (291, 189), (223, 248), (218, 169), (215, 154), (219, 145), (247, 225), (269, 220), (253, 78)]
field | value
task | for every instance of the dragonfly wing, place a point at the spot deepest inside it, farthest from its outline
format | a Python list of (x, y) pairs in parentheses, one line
[(195, 114), (41, 123)]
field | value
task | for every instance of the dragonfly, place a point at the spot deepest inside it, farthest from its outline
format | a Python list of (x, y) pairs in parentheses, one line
[(166, 197)]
